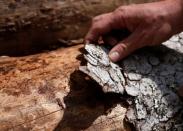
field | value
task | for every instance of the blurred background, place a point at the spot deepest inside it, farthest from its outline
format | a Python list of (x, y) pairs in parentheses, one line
[(30, 26)]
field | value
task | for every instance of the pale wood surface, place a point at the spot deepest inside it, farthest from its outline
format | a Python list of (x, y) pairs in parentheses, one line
[(46, 92)]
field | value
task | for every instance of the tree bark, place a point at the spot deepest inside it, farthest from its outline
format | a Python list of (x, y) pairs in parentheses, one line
[(151, 77)]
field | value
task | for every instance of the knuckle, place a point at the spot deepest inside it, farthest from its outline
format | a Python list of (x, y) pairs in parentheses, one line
[(97, 18), (162, 16), (146, 38), (120, 11), (155, 19), (122, 48), (151, 20), (149, 17), (145, 33), (96, 28), (95, 25)]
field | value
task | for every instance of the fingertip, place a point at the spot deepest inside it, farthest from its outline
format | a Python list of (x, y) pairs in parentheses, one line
[(86, 41), (91, 37), (88, 37), (119, 51), (114, 56)]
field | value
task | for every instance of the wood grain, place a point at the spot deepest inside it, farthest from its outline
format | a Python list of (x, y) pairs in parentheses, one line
[(47, 92)]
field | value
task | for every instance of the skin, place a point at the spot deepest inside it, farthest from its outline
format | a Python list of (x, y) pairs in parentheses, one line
[(149, 25)]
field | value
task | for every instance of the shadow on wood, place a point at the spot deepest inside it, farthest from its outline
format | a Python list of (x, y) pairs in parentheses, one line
[(85, 103)]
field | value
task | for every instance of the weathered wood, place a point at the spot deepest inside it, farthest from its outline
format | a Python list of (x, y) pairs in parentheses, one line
[(46, 22), (151, 76), (27, 24), (46, 92), (66, 16)]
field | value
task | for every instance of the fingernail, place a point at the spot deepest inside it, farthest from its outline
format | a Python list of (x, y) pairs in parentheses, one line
[(114, 56)]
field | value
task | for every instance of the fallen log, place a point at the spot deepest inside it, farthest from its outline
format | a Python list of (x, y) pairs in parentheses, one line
[(151, 77), (41, 23), (27, 24), (47, 92)]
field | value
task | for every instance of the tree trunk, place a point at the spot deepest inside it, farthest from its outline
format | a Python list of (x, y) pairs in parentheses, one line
[(46, 22), (151, 77), (47, 92)]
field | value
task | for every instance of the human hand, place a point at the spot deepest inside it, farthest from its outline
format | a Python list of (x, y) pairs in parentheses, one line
[(149, 24)]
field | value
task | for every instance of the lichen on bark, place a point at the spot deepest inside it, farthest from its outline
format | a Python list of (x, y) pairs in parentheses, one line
[(151, 77), (100, 68)]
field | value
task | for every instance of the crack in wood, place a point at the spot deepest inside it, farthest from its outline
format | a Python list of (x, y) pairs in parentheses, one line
[(15, 126)]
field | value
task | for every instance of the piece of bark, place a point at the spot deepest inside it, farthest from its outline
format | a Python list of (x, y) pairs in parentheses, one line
[(27, 24), (101, 69), (46, 92), (151, 76)]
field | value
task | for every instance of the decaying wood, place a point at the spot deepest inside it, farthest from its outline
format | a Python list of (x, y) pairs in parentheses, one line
[(46, 22), (65, 16), (151, 76), (46, 92)]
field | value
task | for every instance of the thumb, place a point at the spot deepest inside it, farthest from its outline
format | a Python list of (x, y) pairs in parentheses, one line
[(125, 47)]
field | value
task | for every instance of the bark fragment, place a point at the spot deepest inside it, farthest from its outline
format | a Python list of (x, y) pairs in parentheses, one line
[(151, 76), (100, 68)]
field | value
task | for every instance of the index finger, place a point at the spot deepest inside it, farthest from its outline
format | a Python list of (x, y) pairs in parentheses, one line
[(101, 25)]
